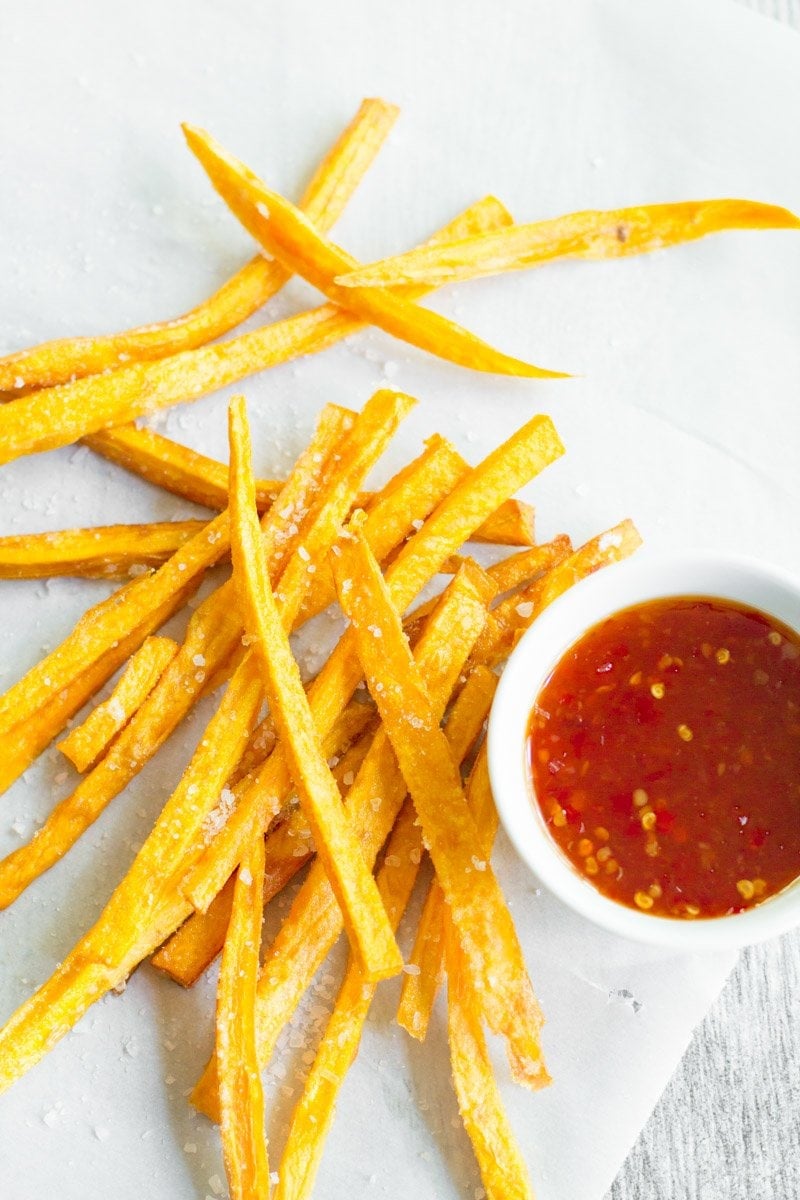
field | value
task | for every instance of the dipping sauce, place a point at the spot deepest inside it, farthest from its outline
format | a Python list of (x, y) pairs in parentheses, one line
[(665, 756)]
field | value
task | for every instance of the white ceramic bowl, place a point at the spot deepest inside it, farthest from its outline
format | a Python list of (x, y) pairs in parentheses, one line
[(645, 577)]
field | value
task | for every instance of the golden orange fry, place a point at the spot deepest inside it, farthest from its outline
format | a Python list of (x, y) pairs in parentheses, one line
[(239, 297), (428, 955), (314, 1113), (102, 552), (479, 912), (616, 233), (287, 234), (368, 927), (502, 1167), (241, 1096), (61, 415), (511, 617), (84, 744)]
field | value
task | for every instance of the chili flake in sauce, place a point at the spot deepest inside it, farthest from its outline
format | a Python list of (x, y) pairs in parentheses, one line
[(664, 750)]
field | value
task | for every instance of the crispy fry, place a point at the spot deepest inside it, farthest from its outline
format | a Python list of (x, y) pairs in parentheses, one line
[(84, 745), (502, 1167), (315, 921), (356, 891), (511, 617), (312, 1118), (287, 234), (60, 415), (616, 233), (212, 635), (102, 552), (464, 509), (174, 467), (241, 1096), (428, 955), (289, 846), (482, 920), (324, 200)]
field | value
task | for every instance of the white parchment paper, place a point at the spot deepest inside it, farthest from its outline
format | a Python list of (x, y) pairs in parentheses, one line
[(684, 416)]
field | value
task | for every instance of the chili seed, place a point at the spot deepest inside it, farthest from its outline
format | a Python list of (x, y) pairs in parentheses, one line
[(648, 819), (722, 656), (745, 889), (640, 797), (685, 733), (603, 854), (591, 865), (643, 900), (602, 834), (612, 866), (657, 691), (655, 890), (774, 638), (585, 847)]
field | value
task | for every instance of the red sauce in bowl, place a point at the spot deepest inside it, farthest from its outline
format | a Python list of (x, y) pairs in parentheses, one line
[(664, 751)]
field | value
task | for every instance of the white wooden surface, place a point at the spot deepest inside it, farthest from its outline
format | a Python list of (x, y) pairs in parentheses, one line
[(728, 1125)]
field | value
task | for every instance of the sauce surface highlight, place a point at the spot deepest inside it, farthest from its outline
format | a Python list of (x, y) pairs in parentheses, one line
[(664, 750)]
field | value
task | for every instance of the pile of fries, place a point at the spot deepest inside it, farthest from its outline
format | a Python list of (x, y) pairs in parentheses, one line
[(360, 785)]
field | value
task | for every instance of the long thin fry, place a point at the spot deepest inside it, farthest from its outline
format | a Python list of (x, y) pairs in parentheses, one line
[(464, 509), (482, 919), (289, 846), (510, 619), (356, 891), (615, 233), (314, 1113), (102, 552), (315, 921), (294, 240), (241, 1096), (60, 415), (204, 480), (84, 744), (239, 297), (428, 955), (502, 1167), (174, 467)]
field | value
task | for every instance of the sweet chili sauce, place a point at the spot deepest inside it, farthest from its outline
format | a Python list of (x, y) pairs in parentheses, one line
[(664, 751)]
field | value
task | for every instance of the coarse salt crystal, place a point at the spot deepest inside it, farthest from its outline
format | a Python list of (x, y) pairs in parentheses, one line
[(525, 609), (245, 876), (478, 863), (199, 660), (303, 553), (411, 969), (215, 1183)]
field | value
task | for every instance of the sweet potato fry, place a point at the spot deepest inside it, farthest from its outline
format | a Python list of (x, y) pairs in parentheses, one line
[(356, 891), (174, 467), (289, 846), (315, 921), (512, 525), (428, 955), (102, 552), (324, 199), (84, 744), (287, 234), (502, 1167), (241, 1096), (509, 620), (482, 919), (60, 415), (616, 233), (314, 1113), (464, 509)]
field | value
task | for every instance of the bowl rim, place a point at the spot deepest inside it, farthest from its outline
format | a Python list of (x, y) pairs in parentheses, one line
[(649, 575)]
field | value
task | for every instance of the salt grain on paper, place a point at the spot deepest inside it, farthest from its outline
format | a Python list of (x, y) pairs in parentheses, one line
[(245, 876)]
